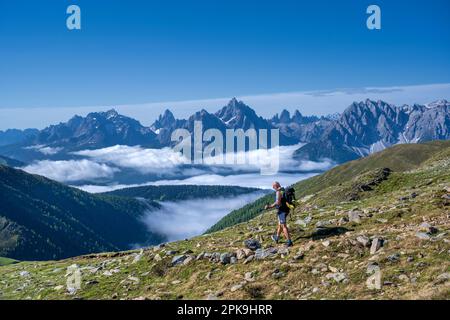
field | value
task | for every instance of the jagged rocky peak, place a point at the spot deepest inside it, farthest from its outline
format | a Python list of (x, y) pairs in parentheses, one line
[(233, 108), (285, 116), (166, 118), (297, 117), (112, 113), (438, 103)]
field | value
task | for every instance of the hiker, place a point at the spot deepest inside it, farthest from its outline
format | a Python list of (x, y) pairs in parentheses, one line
[(283, 210)]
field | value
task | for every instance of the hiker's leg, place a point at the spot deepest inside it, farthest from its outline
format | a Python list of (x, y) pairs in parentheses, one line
[(286, 232), (279, 229)]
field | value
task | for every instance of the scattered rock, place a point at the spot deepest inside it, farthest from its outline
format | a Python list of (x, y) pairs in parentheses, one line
[(354, 216), (333, 269), (240, 254), (300, 255), (249, 259), (337, 276), (236, 287), (429, 229), (322, 223), (343, 220), (24, 274), (442, 278), (403, 277), (394, 258), (200, 256), (363, 240), (376, 244), (138, 256), (277, 274), (249, 277), (71, 290), (261, 254), (134, 279), (178, 260), (252, 244), (188, 260), (225, 258), (372, 267), (303, 222), (423, 236), (283, 251), (157, 257)]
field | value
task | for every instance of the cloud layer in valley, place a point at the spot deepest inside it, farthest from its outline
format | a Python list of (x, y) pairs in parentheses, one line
[(71, 170), (140, 159), (164, 166), (188, 218)]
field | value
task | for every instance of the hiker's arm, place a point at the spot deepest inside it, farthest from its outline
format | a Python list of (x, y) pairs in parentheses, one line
[(276, 203)]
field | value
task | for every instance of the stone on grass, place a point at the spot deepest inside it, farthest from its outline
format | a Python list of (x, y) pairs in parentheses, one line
[(178, 260), (252, 244), (376, 244), (423, 236)]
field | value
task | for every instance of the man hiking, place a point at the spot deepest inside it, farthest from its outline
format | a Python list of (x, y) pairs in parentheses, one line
[(282, 211)]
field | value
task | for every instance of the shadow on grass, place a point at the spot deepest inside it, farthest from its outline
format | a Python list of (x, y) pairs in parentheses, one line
[(325, 232)]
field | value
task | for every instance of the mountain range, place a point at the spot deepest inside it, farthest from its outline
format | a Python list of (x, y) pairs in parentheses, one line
[(363, 128)]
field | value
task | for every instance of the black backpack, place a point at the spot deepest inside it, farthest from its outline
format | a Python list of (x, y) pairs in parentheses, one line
[(287, 199)]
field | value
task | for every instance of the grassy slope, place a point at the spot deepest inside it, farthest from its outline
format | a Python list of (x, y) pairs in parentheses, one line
[(398, 158), (388, 211), (6, 261), (42, 219)]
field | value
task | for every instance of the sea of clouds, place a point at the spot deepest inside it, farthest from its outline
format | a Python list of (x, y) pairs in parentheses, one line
[(165, 167), (188, 218)]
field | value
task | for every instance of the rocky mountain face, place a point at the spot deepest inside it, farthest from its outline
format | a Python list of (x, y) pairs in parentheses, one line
[(363, 128), (12, 136), (298, 127), (369, 126), (360, 231), (97, 130)]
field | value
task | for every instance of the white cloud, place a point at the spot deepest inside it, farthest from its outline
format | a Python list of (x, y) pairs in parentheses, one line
[(140, 159), (175, 170), (71, 170), (48, 151), (251, 180), (185, 219)]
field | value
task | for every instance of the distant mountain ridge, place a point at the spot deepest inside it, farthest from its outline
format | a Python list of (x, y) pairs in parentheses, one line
[(363, 128), (369, 126)]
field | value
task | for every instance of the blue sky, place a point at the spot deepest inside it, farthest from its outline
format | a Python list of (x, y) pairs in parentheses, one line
[(135, 52)]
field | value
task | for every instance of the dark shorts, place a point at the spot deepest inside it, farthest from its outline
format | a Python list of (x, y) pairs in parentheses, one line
[(281, 217)]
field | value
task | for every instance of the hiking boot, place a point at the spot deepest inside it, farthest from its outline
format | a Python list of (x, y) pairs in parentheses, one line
[(289, 243), (275, 238)]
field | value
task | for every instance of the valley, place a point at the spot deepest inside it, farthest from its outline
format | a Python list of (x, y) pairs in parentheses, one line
[(374, 228)]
